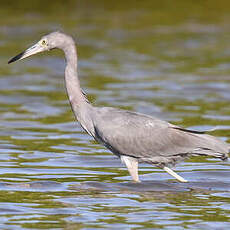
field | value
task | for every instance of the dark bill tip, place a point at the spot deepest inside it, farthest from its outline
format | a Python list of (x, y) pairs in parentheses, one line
[(16, 58)]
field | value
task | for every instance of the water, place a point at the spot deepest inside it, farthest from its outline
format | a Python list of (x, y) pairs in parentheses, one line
[(169, 61)]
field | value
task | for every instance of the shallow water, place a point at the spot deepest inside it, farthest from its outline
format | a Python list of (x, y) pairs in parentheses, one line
[(167, 61)]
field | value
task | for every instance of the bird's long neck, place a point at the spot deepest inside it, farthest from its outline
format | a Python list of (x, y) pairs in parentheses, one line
[(78, 101)]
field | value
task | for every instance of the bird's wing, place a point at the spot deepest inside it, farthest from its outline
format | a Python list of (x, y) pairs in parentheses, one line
[(142, 136)]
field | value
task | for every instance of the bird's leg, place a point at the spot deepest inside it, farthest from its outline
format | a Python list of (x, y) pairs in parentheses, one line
[(132, 166), (172, 173)]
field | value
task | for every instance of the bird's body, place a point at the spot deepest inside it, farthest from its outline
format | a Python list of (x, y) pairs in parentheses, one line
[(134, 137), (149, 139)]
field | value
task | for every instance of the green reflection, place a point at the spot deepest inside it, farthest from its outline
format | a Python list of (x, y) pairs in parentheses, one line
[(130, 53)]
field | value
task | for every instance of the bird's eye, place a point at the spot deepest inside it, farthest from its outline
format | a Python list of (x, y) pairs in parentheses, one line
[(43, 42)]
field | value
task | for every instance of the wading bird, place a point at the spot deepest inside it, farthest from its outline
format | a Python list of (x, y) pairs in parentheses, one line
[(133, 137)]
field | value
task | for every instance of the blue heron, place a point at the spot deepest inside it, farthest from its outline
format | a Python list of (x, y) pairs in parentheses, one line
[(132, 136)]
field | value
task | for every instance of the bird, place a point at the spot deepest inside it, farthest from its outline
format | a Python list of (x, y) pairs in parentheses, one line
[(133, 137)]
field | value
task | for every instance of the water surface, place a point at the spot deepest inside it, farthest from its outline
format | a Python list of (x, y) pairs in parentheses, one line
[(167, 61)]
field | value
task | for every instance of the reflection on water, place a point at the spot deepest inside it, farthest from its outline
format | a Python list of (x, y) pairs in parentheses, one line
[(173, 64)]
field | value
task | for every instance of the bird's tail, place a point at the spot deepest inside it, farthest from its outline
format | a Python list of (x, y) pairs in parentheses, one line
[(211, 153)]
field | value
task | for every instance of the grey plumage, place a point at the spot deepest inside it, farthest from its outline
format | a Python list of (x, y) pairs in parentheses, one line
[(134, 137), (152, 140)]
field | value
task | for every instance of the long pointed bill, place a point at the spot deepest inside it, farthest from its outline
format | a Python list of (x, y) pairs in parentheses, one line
[(37, 48)]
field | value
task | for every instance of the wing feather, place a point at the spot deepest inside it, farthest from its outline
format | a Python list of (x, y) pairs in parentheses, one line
[(146, 137)]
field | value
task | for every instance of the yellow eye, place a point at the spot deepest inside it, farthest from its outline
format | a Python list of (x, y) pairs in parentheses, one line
[(44, 42)]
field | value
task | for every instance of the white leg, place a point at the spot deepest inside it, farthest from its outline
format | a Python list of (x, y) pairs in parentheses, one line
[(172, 173), (132, 166)]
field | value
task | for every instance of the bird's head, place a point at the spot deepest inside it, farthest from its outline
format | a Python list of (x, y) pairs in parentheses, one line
[(47, 42)]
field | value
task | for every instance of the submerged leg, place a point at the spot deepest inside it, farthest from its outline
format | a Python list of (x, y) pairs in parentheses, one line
[(172, 173), (132, 166)]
